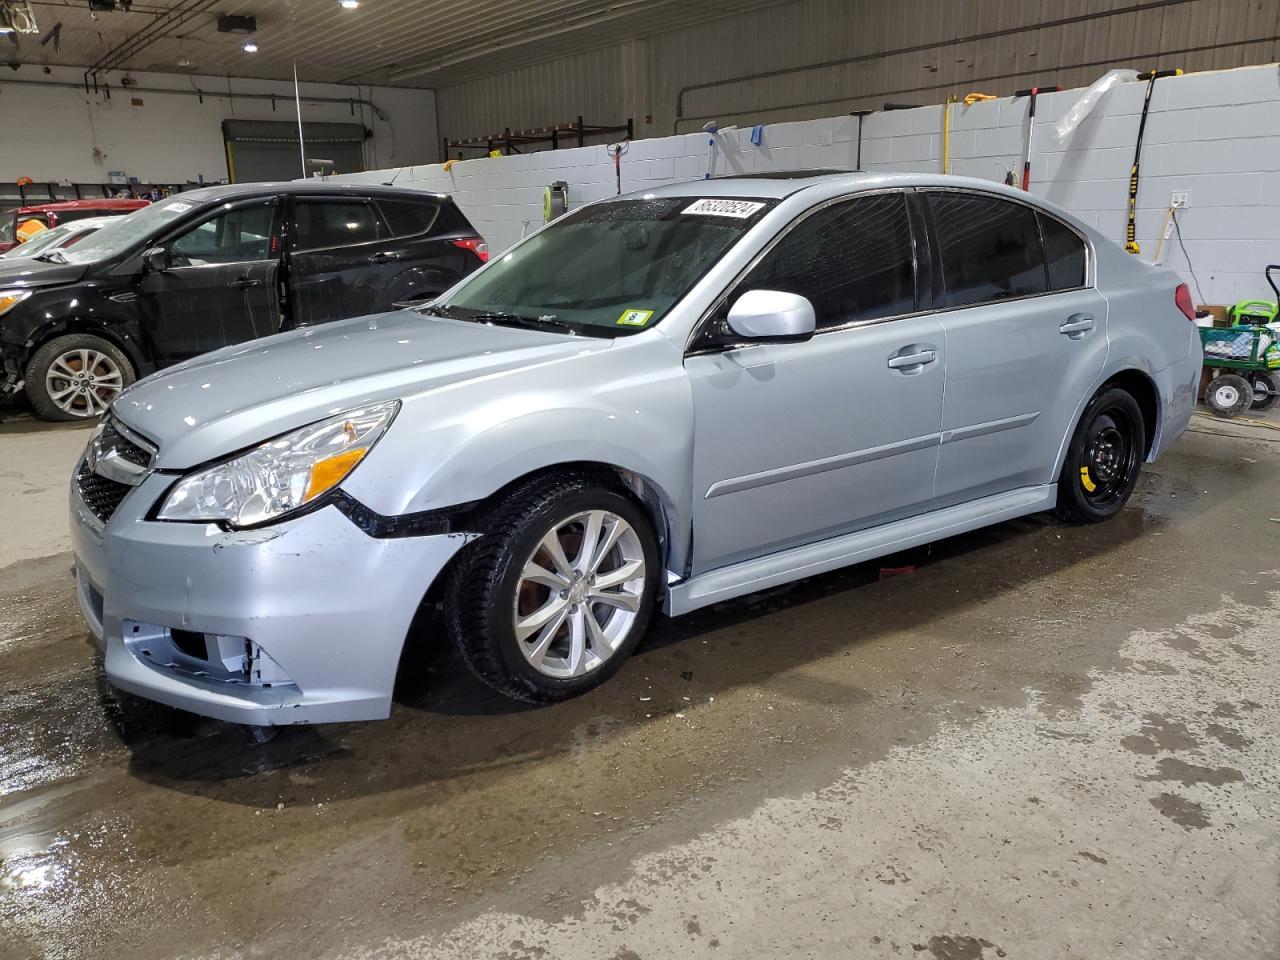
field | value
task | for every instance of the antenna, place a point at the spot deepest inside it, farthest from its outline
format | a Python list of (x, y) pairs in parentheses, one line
[(297, 102)]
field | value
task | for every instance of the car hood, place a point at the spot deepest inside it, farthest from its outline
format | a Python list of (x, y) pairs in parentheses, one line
[(239, 396), (24, 273)]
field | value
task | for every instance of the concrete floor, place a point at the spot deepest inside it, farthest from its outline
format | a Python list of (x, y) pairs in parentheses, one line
[(1047, 742)]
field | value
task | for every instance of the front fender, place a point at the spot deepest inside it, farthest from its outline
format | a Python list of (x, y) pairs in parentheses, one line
[(629, 408)]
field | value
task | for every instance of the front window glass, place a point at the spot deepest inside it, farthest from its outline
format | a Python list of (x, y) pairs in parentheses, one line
[(124, 233), (609, 269), (854, 261), (238, 235)]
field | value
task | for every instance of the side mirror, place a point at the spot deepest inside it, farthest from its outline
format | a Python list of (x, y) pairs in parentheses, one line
[(157, 259), (770, 316)]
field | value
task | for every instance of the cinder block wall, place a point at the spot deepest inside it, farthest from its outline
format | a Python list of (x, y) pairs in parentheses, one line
[(1215, 135)]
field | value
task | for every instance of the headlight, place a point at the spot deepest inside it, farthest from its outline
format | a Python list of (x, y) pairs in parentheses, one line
[(11, 298), (281, 475)]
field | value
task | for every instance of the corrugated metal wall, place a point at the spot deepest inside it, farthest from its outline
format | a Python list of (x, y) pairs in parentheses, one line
[(867, 52)]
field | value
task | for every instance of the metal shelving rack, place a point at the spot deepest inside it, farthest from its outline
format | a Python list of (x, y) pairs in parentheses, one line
[(562, 134)]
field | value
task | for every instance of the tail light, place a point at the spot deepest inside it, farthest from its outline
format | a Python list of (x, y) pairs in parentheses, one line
[(476, 246), (1182, 297)]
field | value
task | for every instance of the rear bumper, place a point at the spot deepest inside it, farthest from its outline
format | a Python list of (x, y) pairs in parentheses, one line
[(300, 623), (1177, 385)]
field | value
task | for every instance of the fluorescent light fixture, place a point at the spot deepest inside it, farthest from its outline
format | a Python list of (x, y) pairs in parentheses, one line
[(348, 4), (250, 47)]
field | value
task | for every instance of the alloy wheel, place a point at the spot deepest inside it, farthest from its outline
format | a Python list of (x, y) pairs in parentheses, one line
[(579, 594), (83, 382)]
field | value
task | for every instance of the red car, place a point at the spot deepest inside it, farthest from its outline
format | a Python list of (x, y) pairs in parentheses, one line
[(55, 212)]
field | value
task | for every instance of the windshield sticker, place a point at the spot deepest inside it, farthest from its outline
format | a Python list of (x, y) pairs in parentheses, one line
[(738, 209), (178, 206), (634, 318)]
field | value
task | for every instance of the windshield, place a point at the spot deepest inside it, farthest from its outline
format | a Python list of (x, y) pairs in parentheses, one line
[(44, 240), (609, 269), (123, 233)]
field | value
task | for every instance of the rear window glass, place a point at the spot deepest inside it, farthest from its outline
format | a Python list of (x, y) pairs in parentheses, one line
[(322, 224), (990, 248), (1063, 253), (408, 218)]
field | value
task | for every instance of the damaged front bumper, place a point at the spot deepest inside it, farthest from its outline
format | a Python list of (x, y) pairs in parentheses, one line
[(302, 622)]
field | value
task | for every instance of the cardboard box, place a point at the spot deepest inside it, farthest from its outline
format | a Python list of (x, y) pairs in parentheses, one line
[(1217, 311)]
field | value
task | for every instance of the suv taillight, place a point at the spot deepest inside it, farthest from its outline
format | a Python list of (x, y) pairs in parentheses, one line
[(476, 246), (1182, 297)]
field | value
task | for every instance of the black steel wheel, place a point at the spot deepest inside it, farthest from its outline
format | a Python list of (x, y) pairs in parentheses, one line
[(1104, 458)]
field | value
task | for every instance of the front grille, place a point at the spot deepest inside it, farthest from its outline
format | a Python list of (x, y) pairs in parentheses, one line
[(111, 438), (100, 495)]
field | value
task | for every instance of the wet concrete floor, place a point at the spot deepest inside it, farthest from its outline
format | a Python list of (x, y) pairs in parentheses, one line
[(1048, 741)]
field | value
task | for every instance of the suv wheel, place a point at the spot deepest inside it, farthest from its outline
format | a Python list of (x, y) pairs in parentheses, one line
[(1104, 458), (75, 377), (556, 594)]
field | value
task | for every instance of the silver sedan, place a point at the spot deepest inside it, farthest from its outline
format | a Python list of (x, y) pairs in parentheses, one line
[(657, 402)]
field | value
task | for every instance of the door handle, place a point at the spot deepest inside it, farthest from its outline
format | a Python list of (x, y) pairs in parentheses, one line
[(1076, 325), (911, 362), (244, 283), (386, 256)]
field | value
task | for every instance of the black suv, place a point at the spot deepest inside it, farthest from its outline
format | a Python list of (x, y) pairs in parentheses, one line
[(214, 267)]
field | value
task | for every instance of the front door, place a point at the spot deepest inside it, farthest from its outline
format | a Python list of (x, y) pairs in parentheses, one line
[(339, 250), (798, 442), (221, 285), (1026, 339)]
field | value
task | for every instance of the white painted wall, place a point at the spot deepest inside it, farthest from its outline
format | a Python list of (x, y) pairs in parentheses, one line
[(50, 132), (1214, 134)]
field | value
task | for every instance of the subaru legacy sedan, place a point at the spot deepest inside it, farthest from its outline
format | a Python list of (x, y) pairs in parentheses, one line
[(657, 402)]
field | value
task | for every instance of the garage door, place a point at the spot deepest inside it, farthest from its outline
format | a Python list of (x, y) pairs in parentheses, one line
[(268, 149)]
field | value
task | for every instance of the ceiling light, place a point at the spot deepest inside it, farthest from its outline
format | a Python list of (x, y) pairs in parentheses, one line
[(348, 4), (250, 47)]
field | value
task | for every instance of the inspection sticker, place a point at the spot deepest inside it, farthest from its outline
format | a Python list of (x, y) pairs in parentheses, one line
[(738, 209), (178, 206), (634, 318)]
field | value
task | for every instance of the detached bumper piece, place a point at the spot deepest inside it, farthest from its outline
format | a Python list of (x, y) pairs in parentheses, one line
[(206, 656)]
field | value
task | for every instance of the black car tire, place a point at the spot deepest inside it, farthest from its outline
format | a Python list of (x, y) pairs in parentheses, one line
[(1266, 388), (70, 350), (1228, 394), (1104, 458), (481, 597)]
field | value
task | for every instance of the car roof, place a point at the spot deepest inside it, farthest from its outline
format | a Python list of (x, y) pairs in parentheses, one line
[(231, 191), (104, 203), (776, 185)]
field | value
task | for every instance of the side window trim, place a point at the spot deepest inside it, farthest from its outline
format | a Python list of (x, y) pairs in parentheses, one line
[(198, 221), (935, 247), (708, 316), (365, 199)]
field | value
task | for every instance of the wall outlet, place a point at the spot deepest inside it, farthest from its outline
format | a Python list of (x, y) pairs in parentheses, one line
[(1180, 199)]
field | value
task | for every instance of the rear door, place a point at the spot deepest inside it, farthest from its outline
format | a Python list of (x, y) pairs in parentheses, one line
[(221, 285), (434, 247), (1026, 338), (339, 250)]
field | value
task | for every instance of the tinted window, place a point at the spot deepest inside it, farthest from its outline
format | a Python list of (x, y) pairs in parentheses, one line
[(335, 223), (408, 218), (233, 236), (853, 261), (990, 248), (1064, 254)]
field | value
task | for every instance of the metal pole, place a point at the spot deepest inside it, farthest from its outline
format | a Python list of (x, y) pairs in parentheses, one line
[(297, 103)]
